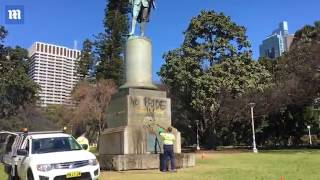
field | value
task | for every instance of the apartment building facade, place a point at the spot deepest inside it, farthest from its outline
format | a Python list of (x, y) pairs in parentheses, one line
[(53, 67)]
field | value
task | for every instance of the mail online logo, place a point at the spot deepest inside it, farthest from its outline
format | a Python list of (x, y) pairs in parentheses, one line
[(14, 14)]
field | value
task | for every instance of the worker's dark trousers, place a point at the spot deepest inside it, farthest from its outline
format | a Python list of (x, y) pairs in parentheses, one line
[(168, 154)]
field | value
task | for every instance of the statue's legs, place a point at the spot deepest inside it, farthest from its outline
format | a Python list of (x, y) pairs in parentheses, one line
[(142, 28), (135, 14), (133, 26), (145, 14)]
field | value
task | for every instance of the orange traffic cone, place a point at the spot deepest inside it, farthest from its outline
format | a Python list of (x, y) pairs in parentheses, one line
[(281, 178)]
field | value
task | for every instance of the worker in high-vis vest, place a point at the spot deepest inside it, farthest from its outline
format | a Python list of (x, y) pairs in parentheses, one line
[(168, 140), (84, 142)]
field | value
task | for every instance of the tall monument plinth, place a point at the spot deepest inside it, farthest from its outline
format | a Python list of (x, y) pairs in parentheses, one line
[(138, 55), (131, 140)]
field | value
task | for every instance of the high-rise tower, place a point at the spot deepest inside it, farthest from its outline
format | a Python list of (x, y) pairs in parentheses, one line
[(53, 67), (277, 43)]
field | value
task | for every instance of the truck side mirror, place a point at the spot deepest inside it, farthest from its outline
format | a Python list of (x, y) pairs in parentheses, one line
[(85, 146), (22, 152)]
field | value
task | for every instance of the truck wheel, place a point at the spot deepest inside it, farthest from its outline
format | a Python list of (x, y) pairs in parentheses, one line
[(29, 175)]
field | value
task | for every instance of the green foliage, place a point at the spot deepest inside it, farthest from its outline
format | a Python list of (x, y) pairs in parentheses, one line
[(110, 44), (18, 92), (59, 115), (307, 35), (16, 89), (211, 77), (214, 62), (212, 38), (86, 59), (269, 64), (285, 127), (295, 86)]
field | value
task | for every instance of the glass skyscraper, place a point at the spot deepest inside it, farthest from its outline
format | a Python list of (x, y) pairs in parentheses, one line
[(276, 44)]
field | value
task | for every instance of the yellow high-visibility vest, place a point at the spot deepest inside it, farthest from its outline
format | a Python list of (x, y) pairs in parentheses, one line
[(168, 138), (83, 140)]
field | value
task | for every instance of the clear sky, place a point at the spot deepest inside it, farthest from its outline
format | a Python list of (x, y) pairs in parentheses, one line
[(63, 21)]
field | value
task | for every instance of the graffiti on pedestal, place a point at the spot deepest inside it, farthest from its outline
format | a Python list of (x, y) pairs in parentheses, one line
[(150, 110)]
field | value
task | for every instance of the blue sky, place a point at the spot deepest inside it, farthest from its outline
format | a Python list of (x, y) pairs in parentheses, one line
[(63, 21)]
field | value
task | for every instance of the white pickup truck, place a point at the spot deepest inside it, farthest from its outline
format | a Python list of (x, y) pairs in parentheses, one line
[(46, 156)]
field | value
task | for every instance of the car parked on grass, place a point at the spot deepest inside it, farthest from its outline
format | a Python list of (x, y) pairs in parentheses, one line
[(46, 156)]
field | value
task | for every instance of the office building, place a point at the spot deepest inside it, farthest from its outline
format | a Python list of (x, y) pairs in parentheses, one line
[(277, 43), (53, 67)]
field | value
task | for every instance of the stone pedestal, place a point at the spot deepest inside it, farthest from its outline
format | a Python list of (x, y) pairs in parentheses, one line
[(134, 116)]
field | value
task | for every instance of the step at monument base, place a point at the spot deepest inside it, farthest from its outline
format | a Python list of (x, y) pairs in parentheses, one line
[(142, 161)]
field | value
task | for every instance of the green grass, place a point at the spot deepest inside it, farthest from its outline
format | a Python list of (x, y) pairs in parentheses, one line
[(268, 165), (2, 173)]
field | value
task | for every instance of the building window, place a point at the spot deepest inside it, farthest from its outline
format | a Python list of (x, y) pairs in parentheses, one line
[(65, 52), (49, 49), (61, 51), (45, 48), (38, 48), (53, 50), (41, 47)]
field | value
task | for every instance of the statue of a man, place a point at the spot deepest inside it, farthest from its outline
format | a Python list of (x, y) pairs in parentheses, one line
[(140, 13)]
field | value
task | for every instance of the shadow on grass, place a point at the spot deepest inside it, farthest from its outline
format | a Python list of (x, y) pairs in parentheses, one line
[(266, 150), (290, 151)]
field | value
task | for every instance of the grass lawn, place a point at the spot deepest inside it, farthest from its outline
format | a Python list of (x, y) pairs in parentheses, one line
[(268, 165), (3, 175)]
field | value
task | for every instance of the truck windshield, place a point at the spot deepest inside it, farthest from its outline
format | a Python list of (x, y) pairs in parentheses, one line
[(57, 144)]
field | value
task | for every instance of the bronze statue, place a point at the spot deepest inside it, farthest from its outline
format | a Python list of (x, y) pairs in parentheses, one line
[(141, 10)]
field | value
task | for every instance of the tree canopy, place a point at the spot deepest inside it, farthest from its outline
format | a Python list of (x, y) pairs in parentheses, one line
[(110, 44), (86, 60), (16, 88), (92, 103), (213, 63)]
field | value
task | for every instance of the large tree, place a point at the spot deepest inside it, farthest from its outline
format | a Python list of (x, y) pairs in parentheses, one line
[(92, 104), (213, 63), (110, 43), (309, 34), (16, 88), (86, 60)]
